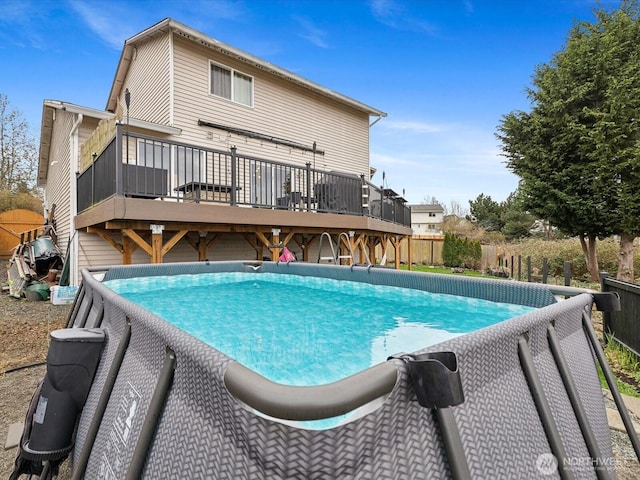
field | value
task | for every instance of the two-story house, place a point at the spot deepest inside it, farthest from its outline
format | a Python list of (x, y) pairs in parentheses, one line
[(426, 219), (207, 152)]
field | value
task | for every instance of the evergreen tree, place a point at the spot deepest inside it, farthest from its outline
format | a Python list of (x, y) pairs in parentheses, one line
[(577, 152)]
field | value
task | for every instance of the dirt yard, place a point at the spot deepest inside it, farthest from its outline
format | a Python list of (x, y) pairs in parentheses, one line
[(24, 340)]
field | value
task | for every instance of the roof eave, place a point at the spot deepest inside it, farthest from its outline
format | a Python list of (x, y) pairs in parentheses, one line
[(46, 130), (207, 41)]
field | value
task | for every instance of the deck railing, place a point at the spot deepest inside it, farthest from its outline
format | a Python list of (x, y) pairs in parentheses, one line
[(141, 166), (623, 325)]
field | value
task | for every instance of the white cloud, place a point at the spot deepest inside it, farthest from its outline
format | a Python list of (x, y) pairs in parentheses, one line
[(394, 15), (451, 161), (311, 32), (116, 21), (384, 9), (19, 21), (107, 20), (413, 126), (468, 6)]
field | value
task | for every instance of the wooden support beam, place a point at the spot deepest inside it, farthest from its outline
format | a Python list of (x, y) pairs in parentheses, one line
[(397, 245), (300, 241), (107, 237), (260, 236), (138, 240), (361, 243), (214, 238), (288, 238), (371, 244), (194, 243), (173, 241), (384, 243), (129, 248), (251, 241)]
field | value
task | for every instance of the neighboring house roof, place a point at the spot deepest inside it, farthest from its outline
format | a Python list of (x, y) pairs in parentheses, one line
[(170, 25), (424, 208)]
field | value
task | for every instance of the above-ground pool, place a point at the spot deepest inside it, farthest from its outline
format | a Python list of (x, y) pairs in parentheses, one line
[(308, 331), (515, 398)]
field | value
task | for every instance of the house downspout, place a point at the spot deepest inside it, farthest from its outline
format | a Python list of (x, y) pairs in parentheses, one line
[(73, 200)]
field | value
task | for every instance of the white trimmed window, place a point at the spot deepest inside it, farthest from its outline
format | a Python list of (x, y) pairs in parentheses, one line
[(231, 84)]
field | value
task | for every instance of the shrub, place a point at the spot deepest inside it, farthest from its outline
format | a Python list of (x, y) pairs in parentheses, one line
[(11, 201), (460, 252), (558, 251)]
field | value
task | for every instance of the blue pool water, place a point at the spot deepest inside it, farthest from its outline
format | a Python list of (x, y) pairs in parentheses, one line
[(300, 330)]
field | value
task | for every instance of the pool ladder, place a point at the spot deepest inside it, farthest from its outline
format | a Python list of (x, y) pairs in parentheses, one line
[(335, 255)]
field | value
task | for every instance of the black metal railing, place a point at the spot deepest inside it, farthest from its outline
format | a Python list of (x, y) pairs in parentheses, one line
[(140, 166), (623, 325)]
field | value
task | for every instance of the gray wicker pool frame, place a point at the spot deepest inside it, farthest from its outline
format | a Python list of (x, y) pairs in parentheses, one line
[(531, 395)]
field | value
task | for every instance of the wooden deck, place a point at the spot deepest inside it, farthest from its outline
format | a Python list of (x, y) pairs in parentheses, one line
[(156, 226)]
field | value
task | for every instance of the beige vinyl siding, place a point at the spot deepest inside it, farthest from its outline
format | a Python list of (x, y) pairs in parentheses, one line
[(281, 109), (148, 81), (227, 247), (95, 252), (57, 188)]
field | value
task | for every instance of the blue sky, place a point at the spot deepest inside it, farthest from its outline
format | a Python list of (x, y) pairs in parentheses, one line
[(445, 71)]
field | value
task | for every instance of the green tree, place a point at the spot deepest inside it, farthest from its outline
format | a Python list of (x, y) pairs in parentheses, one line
[(450, 250), (517, 222), (487, 213), (577, 152), (460, 251)]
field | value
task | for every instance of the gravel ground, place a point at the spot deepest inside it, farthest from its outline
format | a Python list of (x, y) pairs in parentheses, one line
[(24, 333), (24, 340)]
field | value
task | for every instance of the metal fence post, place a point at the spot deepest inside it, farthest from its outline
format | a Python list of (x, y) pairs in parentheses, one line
[(519, 267), (606, 316), (567, 273), (119, 158), (528, 268), (512, 266), (234, 172), (308, 164), (545, 270)]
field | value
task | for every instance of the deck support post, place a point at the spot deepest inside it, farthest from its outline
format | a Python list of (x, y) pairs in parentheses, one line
[(202, 246), (275, 241), (128, 247), (371, 245), (156, 243)]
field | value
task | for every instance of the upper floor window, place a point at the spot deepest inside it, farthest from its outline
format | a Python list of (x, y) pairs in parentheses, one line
[(231, 84)]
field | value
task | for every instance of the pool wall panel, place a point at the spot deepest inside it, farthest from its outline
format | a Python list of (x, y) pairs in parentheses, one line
[(205, 433)]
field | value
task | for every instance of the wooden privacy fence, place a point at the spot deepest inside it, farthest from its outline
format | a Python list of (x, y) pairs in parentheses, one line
[(624, 325), (14, 222), (428, 251)]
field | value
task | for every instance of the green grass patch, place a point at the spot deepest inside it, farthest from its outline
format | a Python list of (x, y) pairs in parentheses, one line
[(625, 362), (430, 269), (623, 387)]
